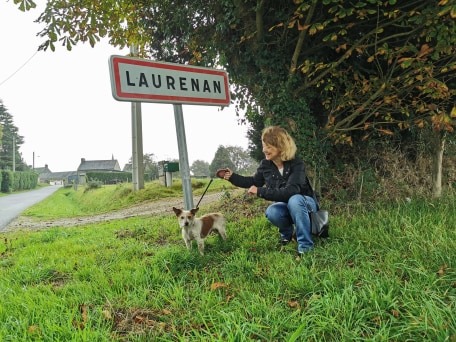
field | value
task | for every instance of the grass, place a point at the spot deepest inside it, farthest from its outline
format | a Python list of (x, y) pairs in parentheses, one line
[(387, 273), (67, 202)]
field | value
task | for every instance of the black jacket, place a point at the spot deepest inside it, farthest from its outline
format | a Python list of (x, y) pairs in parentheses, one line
[(272, 186)]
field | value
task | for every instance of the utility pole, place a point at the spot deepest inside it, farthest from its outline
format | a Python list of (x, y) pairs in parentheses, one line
[(14, 153)]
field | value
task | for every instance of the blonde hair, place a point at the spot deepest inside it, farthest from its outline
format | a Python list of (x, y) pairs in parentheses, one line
[(279, 138)]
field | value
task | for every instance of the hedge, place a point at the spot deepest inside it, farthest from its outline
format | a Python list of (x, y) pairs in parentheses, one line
[(109, 177), (20, 180)]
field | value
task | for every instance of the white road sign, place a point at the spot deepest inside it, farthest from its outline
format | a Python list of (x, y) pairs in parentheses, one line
[(135, 79)]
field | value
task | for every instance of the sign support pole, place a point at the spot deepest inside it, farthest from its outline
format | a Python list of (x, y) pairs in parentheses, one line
[(137, 141), (137, 146), (183, 157)]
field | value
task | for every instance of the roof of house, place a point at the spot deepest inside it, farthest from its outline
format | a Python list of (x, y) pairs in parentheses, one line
[(128, 167), (42, 170), (57, 175), (101, 165)]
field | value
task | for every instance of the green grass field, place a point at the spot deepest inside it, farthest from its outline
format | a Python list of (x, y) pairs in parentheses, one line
[(388, 273)]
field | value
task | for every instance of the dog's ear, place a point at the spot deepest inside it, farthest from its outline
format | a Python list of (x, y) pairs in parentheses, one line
[(194, 211), (177, 211)]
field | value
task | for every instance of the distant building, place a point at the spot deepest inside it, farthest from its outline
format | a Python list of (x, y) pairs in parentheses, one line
[(110, 165), (45, 175), (42, 170), (64, 177)]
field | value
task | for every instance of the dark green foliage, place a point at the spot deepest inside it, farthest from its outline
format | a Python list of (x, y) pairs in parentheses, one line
[(7, 181), (221, 160), (93, 184), (109, 177), (200, 168), (14, 181), (10, 142)]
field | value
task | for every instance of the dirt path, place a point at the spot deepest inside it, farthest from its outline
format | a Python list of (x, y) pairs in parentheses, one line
[(163, 206)]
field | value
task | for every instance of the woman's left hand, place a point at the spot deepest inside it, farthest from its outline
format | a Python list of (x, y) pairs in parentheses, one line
[(252, 190)]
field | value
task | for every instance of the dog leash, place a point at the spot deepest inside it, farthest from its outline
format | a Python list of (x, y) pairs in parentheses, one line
[(204, 193)]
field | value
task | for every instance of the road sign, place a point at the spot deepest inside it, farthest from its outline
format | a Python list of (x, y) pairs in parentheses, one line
[(134, 79)]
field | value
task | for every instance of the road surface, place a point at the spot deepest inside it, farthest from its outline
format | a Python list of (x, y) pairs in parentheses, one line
[(13, 205)]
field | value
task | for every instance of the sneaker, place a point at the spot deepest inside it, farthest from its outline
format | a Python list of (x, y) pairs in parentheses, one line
[(324, 232), (284, 242), (302, 252)]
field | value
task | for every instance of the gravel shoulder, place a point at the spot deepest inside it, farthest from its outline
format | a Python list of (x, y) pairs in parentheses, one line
[(159, 207)]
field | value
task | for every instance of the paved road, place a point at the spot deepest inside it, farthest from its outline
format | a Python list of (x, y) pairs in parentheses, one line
[(13, 205)]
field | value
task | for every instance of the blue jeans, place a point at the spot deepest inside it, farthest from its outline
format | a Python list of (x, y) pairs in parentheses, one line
[(295, 212)]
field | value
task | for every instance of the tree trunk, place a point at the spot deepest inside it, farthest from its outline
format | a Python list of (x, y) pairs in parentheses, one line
[(437, 167)]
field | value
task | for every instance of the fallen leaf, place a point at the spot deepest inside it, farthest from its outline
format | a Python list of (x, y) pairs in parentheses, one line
[(33, 329), (217, 285), (294, 304), (106, 314), (442, 270), (229, 298)]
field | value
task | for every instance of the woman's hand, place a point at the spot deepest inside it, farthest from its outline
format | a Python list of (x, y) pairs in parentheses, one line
[(228, 174), (253, 190), (224, 173)]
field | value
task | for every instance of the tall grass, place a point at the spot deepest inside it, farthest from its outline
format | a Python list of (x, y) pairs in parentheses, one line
[(386, 274)]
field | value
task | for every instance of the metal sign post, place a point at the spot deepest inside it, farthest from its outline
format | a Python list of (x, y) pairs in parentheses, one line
[(183, 157), (137, 146)]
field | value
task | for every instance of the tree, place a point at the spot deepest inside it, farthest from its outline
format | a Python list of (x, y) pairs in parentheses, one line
[(10, 142), (222, 159), (319, 40), (150, 166), (200, 168), (243, 163), (235, 158)]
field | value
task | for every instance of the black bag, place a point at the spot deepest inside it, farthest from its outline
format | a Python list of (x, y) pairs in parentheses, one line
[(320, 223), (319, 219)]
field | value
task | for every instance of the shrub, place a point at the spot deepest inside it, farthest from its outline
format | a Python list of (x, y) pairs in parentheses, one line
[(110, 177), (93, 184)]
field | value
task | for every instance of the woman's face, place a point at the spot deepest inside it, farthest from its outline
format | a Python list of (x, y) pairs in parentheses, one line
[(271, 152)]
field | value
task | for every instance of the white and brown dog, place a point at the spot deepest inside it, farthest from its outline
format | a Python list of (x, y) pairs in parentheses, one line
[(199, 228)]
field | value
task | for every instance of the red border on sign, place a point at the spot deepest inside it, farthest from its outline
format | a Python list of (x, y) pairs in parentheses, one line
[(116, 60)]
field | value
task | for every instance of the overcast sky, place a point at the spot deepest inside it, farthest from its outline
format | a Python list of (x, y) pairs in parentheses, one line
[(62, 104)]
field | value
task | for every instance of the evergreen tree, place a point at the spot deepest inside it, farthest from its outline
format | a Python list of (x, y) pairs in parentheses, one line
[(244, 164), (200, 168), (221, 160), (10, 142)]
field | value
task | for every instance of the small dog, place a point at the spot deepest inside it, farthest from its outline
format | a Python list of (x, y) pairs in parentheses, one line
[(198, 228)]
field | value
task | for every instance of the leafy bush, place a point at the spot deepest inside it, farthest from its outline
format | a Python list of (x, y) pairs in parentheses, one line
[(110, 177), (20, 180), (7, 181), (93, 184)]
